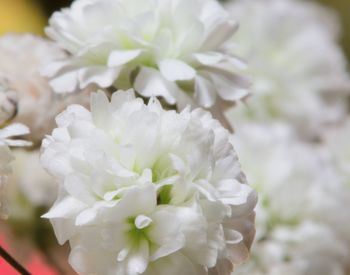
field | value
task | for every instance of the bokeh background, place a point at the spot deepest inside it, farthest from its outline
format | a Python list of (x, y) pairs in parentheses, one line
[(32, 15)]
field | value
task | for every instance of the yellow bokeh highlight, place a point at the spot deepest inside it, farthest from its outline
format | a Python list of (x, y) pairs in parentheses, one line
[(21, 16)]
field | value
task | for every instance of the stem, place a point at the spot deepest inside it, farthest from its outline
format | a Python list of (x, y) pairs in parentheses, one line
[(16, 265)]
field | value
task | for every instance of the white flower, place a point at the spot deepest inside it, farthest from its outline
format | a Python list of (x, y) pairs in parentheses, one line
[(29, 189), (308, 248), (298, 69), (13, 130), (168, 48), (31, 181), (143, 190), (6, 135), (8, 102), (24, 92), (336, 147), (302, 227), (5, 168), (336, 139), (6, 158)]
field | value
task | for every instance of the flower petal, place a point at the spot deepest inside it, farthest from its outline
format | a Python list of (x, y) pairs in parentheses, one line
[(149, 82), (120, 57), (174, 70)]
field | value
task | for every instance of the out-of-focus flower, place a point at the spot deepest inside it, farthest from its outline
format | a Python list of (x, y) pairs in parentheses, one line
[(8, 102), (337, 148), (6, 135), (336, 140), (31, 180), (307, 248), (21, 57), (298, 68), (30, 191), (301, 224), (147, 191), (168, 48)]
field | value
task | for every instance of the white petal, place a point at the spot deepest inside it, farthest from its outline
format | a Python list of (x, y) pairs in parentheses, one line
[(205, 93), (118, 58), (221, 33), (100, 109), (109, 196), (68, 207), (169, 248), (55, 68), (178, 164), (66, 82), (166, 232), (86, 217), (123, 254), (15, 129), (209, 58), (121, 97), (72, 113), (18, 143), (138, 260), (56, 164), (232, 236), (142, 221), (174, 70), (79, 189), (64, 229), (100, 75), (149, 82), (229, 86)]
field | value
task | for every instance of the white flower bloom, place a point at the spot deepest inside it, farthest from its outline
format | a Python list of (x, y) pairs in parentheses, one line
[(29, 189), (24, 92), (336, 146), (6, 135), (5, 168), (299, 70), (301, 222), (143, 190), (8, 102), (336, 140), (13, 130), (308, 248), (6, 158), (168, 48), (31, 180)]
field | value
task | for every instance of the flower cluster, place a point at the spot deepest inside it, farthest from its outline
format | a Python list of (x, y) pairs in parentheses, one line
[(29, 99), (174, 49), (302, 228), (30, 182), (301, 225), (6, 157), (8, 102), (143, 190), (336, 146), (298, 68)]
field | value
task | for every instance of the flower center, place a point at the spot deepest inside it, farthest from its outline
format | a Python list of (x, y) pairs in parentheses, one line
[(139, 227), (164, 196)]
